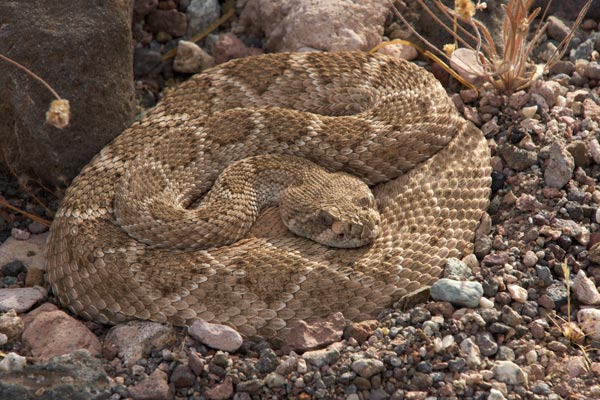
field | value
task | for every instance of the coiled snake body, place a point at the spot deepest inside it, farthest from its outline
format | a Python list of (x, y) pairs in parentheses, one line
[(383, 120)]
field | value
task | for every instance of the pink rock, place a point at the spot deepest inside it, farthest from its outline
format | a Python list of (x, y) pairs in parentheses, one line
[(222, 391), (400, 51), (229, 46), (51, 332), (20, 299), (290, 25), (219, 337), (304, 337), (361, 331), (585, 290), (135, 339), (171, 21), (154, 387)]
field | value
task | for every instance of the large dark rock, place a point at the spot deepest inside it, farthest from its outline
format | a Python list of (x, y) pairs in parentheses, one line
[(82, 49), (76, 376)]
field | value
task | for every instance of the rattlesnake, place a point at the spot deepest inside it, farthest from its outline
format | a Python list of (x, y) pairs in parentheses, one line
[(381, 119)]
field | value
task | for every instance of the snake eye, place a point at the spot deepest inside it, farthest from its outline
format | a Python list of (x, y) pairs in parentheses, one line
[(365, 201), (325, 217)]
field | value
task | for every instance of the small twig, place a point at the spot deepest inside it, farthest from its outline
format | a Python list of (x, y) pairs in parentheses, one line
[(33, 217), (229, 12), (32, 74)]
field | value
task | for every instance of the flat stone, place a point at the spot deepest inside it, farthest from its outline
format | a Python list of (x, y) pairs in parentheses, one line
[(136, 339), (20, 299), (220, 337), (31, 252), (517, 158), (559, 167), (465, 294), (585, 289), (154, 387), (222, 391), (509, 372), (51, 332), (303, 336), (367, 367), (76, 376)]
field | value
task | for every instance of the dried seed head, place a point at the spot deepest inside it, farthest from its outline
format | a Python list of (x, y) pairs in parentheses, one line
[(524, 26), (464, 8), (59, 113), (449, 48), (573, 332)]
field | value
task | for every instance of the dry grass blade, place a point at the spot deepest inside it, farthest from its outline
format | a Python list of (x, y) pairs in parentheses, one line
[(511, 69), (59, 113), (33, 217)]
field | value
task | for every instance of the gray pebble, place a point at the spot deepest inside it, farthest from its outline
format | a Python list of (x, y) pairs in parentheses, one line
[(464, 294), (367, 367)]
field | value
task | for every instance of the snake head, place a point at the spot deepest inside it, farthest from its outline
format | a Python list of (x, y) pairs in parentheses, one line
[(345, 217)]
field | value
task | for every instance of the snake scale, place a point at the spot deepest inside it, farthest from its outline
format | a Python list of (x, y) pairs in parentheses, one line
[(381, 119)]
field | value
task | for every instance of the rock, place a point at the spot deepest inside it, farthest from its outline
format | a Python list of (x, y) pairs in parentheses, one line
[(456, 269), (585, 290), (98, 83), (530, 259), (517, 158), (267, 361), (580, 152), (400, 51), (153, 387), (318, 358), (136, 339), (143, 7), (559, 168), (171, 21), (304, 337), (471, 351), (495, 394), (589, 320), (367, 367), (182, 377), (592, 70), (76, 376), (595, 150), (50, 332), (12, 362), (20, 299), (13, 268), (11, 325), (290, 25), (20, 234), (361, 331), (486, 343), (517, 293), (274, 380), (465, 294), (31, 253), (557, 29), (219, 337), (191, 58), (196, 363), (229, 47), (201, 14), (509, 372), (594, 253), (222, 391)]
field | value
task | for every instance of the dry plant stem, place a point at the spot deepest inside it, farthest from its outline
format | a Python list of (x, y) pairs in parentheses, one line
[(31, 73), (564, 44), (35, 218), (230, 11)]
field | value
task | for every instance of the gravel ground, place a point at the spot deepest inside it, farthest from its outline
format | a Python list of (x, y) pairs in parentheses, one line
[(508, 343)]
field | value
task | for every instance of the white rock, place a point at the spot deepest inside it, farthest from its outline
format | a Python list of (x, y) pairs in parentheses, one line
[(495, 394), (31, 252), (509, 372), (589, 321), (200, 14), (472, 353), (219, 337), (530, 259), (585, 290), (12, 362), (486, 303), (20, 299), (517, 293)]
